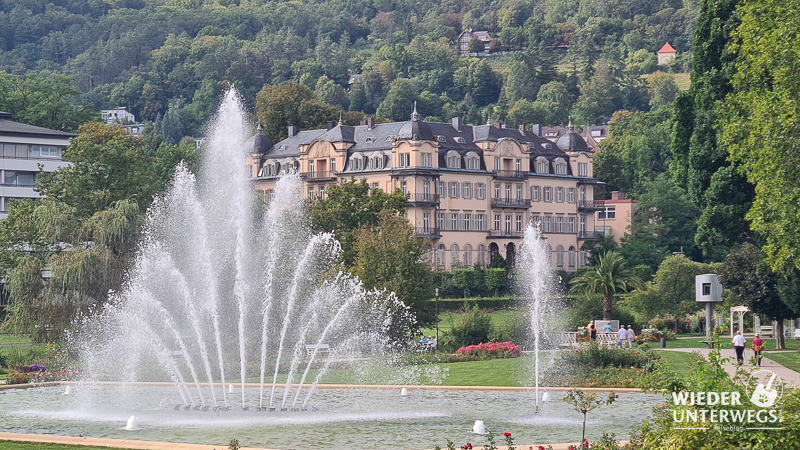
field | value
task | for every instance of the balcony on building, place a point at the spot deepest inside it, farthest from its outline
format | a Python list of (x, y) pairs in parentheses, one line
[(510, 203), (423, 199), (510, 174), (427, 232), (318, 176), (505, 234), (587, 235), (590, 205)]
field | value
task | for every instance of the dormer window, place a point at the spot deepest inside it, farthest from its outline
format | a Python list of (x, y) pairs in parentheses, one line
[(390, 138), (531, 146), (368, 140), (453, 160), (283, 147), (548, 146), (460, 140), (560, 166), (541, 165), (356, 163), (473, 163), (441, 138)]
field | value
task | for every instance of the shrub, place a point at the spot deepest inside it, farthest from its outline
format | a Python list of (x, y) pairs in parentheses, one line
[(473, 328), (592, 355)]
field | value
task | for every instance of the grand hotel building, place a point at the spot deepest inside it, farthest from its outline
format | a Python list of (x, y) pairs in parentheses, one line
[(471, 189)]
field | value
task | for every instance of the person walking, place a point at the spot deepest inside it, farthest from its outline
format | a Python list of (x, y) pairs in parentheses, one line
[(738, 344), (758, 348), (631, 336), (622, 335), (592, 331)]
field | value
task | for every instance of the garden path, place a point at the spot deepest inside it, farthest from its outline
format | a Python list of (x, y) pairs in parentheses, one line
[(789, 376)]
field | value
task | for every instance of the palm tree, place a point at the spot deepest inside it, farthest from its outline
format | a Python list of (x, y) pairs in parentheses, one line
[(610, 276)]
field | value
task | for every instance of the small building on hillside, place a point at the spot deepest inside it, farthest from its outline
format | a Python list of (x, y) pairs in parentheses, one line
[(666, 54), (117, 115), (468, 35)]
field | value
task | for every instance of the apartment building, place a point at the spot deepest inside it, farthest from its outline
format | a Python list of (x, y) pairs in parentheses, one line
[(27, 150), (471, 189)]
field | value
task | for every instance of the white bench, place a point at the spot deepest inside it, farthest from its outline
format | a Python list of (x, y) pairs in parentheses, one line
[(796, 333), (767, 329), (317, 348)]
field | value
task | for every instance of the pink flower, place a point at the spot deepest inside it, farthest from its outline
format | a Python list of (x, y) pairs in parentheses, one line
[(507, 434)]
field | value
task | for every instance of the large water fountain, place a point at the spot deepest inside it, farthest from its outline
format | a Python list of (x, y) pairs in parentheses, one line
[(230, 302), (226, 288)]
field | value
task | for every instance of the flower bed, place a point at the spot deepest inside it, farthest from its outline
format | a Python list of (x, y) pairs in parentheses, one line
[(491, 350), (41, 376)]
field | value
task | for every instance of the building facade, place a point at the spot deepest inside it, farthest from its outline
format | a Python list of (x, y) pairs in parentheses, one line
[(468, 35), (471, 190), (615, 218), (26, 149)]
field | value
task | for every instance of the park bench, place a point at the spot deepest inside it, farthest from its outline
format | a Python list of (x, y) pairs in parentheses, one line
[(796, 333), (318, 348), (767, 329)]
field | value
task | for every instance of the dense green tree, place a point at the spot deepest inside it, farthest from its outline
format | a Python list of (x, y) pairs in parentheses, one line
[(760, 125), (475, 45), (611, 276), (697, 157), (399, 102), (46, 100), (662, 89), (331, 93), (349, 206), (389, 256), (600, 95), (290, 104)]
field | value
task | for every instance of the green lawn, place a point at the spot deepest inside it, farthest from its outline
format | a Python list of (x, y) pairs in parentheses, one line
[(789, 360), (6, 339), (678, 362), (16, 445), (499, 318)]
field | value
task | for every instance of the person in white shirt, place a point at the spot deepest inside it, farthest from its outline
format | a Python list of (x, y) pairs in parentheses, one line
[(631, 336), (623, 335), (739, 343)]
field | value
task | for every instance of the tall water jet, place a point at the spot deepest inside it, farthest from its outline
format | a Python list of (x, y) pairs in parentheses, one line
[(227, 283), (534, 278)]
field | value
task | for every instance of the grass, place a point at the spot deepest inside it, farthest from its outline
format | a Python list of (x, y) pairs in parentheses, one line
[(498, 318), (17, 445), (8, 339), (678, 362), (788, 360)]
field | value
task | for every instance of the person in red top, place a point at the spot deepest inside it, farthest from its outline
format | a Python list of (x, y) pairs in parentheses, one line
[(758, 348)]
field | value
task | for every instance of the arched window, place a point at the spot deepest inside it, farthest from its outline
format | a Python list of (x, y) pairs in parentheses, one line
[(482, 255), (468, 255), (560, 256), (541, 165), (440, 257), (560, 166), (453, 160), (473, 162), (571, 257), (454, 260)]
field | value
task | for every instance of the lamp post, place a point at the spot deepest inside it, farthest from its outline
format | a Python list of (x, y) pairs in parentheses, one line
[(437, 316)]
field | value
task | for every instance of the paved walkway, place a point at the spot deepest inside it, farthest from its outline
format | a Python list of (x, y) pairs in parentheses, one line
[(789, 376)]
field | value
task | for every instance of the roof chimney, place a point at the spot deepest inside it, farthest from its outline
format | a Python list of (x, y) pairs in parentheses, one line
[(537, 129), (457, 123), (370, 122), (617, 195), (522, 129), (292, 130), (331, 124)]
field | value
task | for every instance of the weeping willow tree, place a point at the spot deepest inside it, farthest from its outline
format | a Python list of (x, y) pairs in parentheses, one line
[(87, 259)]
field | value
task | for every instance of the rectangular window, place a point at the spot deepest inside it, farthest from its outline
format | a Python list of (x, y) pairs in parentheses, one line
[(453, 189), (508, 192), (508, 224), (375, 185), (311, 168), (426, 160), (440, 221), (481, 224), (536, 220), (479, 190), (497, 190), (467, 190), (453, 221), (519, 192), (322, 192), (405, 160), (546, 226), (519, 224), (559, 224), (333, 164), (440, 188), (570, 225), (496, 163), (426, 187), (404, 187), (571, 195), (518, 165), (535, 193), (560, 194), (467, 219), (582, 169), (44, 151), (426, 220), (548, 194), (311, 192), (607, 214), (497, 222)]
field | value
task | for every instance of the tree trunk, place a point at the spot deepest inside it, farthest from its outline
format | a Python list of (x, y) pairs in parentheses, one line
[(608, 302), (779, 334)]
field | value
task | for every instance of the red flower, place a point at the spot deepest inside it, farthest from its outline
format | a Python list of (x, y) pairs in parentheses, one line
[(507, 434)]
